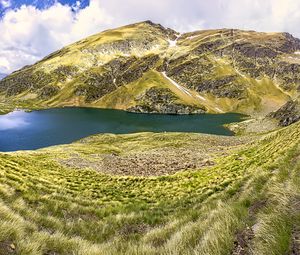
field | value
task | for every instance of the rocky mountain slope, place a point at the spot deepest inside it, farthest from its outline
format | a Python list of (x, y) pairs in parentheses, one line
[(145, 67), (288, 113)]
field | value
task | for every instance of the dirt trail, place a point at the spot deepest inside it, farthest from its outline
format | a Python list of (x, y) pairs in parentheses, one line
[(245, 236)]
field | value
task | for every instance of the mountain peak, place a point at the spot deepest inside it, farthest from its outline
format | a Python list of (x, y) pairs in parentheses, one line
[(168, 31), (150, 22)]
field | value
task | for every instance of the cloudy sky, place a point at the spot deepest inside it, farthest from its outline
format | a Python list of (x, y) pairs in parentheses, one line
[(31, 29)]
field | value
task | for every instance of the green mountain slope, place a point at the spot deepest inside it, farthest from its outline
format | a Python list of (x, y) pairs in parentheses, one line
[(106, 195), (164, 193), (145, 67)]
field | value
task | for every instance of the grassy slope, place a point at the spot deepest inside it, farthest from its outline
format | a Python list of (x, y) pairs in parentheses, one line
[(88, 53), (81, 53), (47, 207), (263, 95), (128, 95)]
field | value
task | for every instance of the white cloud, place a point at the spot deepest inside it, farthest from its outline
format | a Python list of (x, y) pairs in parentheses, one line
[(28, 34), (5, 3), (13, 120), (267, 15)]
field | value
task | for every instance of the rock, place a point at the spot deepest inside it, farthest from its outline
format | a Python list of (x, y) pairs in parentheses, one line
[(287, 114), (33, 80), (290, 45), (121, 71), (222, 87), (289, 74), (63, 72), (208, 46), (48, 91), (162, 100), (252, 50), (190, 72)]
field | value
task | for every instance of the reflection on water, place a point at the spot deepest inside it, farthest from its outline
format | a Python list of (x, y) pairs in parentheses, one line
[(13, 120)]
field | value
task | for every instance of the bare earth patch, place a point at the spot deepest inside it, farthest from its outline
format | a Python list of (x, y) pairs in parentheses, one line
[(245, 236), (295, 245), (7, 248), (198, 153), (153, 163)]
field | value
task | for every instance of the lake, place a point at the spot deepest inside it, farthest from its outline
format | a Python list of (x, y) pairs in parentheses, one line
[(21, 130)]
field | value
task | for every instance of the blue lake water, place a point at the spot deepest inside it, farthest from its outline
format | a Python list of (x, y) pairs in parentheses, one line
[(21, 130)]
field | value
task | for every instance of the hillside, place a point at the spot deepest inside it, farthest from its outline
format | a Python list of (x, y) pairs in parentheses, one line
[(106, 195), (159, 193), (145, 67)]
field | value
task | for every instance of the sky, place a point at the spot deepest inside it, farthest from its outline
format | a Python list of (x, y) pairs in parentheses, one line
[(32, 29)]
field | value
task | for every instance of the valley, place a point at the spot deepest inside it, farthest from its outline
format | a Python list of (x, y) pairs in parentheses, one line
[(143, 140)]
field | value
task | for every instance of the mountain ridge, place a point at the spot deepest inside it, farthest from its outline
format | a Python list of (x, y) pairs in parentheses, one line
[(159, 193), (144, 67)]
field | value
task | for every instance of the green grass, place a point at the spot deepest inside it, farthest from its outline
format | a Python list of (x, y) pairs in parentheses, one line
[(48, 207)]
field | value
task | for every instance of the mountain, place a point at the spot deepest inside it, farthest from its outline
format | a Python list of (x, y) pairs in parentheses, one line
[(159, 193), (145, 67)]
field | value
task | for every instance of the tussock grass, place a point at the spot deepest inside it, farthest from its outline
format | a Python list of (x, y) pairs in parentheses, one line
[(47, 208)]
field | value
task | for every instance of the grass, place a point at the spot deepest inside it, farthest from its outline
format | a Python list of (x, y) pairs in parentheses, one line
[(248, 200), (127, 96), (48, 208), (86, 52), (281, 217)]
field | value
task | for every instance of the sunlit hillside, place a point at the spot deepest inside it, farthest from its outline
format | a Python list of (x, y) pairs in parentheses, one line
[(240, 194)]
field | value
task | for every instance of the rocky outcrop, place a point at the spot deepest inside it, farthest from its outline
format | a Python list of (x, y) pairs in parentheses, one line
[(251, 50), (290, 44), (33, 80), (159, 100), (189, 72), (95, 85), (222, 87), (48, 91), (99, 82), (208, 46), (125, 46), (170, 33), (63, 72), (195, 74), (287, 114), (26, 80), (289, 75)]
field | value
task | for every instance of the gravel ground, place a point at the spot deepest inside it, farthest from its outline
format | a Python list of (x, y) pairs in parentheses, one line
[(158, 161)]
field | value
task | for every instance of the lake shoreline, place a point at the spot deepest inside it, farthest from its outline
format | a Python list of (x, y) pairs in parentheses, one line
[(73, 123)]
